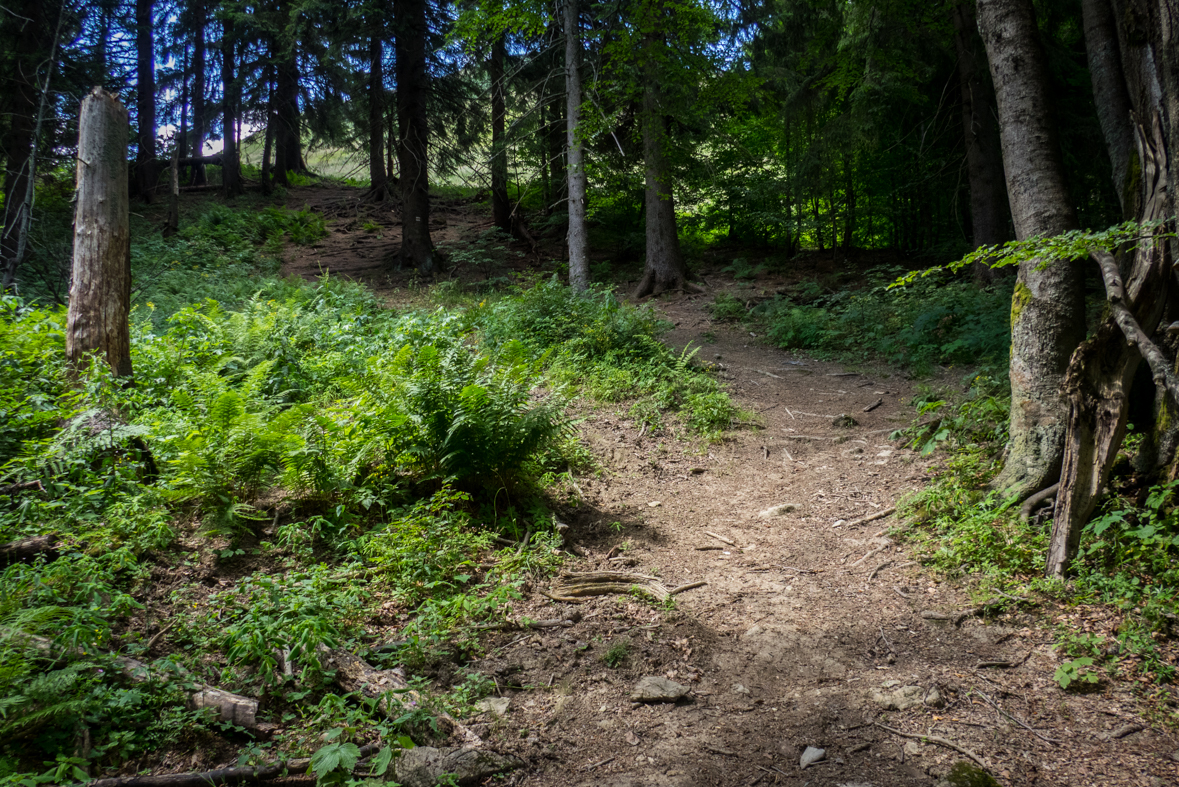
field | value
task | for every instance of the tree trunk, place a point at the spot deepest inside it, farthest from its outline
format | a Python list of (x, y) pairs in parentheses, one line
[(1136, 62), (984, 158), (145, 100), (231, 182), (18, 101), (578, 237), (200, 119), (1109, 91), (288, 154), (501, 207), (172, 226), (664, 269), (1048, 307), (413, 130), (378, 177), (558, 187), (268, 142), (100, 290)]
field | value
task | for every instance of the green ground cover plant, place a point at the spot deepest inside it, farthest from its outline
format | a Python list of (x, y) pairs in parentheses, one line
[(331, 459)]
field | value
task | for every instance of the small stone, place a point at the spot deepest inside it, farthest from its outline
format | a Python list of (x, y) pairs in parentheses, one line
[(779, 510), (654, 504), (839, 522), (844, 421), (423, 766), (695, 470), (899, 699), (966, 774), (739, 688), (496, 705), (656, 689), (934, 699), (811, 756)]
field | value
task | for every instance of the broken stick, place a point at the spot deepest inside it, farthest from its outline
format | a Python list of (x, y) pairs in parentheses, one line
[(939, 741)]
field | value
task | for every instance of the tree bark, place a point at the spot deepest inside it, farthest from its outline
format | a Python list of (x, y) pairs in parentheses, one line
[(18, 101), (145, 100), (664, 268), (417, 249), (1109, 91), (984, 159), (172, 226), (231, 182), (100, 290), (267, 173), (578, 236), (501, 207), (200, 119), (288, 153), (1048, 307), (378, 177)]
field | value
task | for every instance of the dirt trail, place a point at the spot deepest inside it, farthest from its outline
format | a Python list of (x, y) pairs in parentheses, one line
[(810, 626)]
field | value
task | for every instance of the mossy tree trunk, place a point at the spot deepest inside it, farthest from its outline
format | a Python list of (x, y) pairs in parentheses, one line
[(1048, 307)]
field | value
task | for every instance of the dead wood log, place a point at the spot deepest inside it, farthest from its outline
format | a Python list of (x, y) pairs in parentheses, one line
[(27, 549), (388, 687), (230, 707), (22, 486), (220, 776), (982, 609), (1097, 382), (573, 587)]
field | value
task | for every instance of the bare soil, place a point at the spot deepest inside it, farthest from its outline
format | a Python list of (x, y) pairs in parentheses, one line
[(805, 615)]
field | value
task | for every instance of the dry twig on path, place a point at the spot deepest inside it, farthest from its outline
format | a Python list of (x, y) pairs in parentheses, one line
[(958, 617), (940, 741), (1018, 721), (873, 517), (572, 587), (719, 537)]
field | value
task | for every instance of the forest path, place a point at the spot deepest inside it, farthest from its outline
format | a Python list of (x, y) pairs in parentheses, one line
[(808, 630)]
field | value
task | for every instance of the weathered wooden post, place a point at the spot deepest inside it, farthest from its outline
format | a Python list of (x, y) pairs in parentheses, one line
[(100, 286)]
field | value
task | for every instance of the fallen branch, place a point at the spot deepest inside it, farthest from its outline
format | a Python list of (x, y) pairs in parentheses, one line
[(718, 537), (1018, 721), (878, 569), (707, 547), (253, 775), (980, 610), (511, 625), (873, 517), (939, 741), (571, 587), (689, 586), (22, 486), (388, 687), (873, 553), (1003, 664), (231, 707), (599, 763), (874, 405), (27, 548)]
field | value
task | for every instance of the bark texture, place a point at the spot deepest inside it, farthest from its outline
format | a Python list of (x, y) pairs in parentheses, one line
[(200, 117), (1109, 90), (230, 167), (574, 153), (146, 172), (501, 206), (664, 269), (417, 249), (100, 290), (984, 158), (1048, 309), (378, 177), (288, 152), (18, 101)]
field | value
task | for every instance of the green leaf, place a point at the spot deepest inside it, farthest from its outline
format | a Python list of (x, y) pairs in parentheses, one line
[(381, 761)]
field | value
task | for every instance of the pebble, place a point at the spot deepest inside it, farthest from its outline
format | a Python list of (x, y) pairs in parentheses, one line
[(811, 756), (844, 421), (497, 705), (656, 689)]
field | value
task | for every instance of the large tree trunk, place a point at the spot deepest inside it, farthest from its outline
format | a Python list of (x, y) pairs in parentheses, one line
[(146, 171), (231, 182), (200, 118), (1048, 307), (288, 152), (267, 173), (413, 130), (578, 238), (378, 177), (1134, 61), (664, 269), (501, 206), (984, 159), (100, 290)]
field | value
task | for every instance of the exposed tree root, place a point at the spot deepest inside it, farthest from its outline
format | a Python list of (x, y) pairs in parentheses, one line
[(650, 286), (573, 587), (254, 775)]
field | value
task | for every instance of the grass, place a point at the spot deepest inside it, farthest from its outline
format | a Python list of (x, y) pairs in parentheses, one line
[(327, 461)]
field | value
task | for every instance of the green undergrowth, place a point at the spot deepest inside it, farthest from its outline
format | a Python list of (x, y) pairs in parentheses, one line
[(937, 320), (1118, 610), (611, 352), (295, 467)]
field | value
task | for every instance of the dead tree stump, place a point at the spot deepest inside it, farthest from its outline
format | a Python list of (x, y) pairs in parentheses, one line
[(100, 286)]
